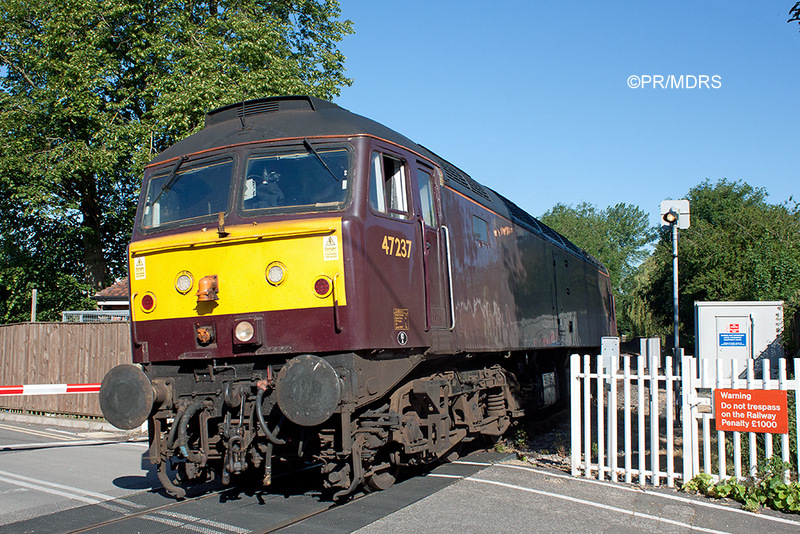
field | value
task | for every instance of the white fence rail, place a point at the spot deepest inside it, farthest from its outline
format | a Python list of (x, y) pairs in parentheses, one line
[(636, 420)]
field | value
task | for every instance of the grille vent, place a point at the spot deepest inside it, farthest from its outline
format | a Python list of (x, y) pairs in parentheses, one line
[(250, 108), (522, 216), (257, 107), (455, 175)]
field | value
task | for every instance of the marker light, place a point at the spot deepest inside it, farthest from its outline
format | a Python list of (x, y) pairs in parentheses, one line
[(322, 286), (276, 273), (184, 282), (148, 302), (244, 331)]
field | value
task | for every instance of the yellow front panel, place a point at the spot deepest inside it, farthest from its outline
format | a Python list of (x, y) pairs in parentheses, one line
[(307, 248)]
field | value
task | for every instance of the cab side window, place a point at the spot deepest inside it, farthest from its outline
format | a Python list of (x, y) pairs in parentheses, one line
[(387, 189), (427, 198)]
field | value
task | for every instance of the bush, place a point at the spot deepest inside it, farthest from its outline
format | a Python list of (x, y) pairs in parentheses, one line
[(768, 488)]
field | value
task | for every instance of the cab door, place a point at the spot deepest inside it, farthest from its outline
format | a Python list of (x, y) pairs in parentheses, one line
[(433, 255), (393, 283)]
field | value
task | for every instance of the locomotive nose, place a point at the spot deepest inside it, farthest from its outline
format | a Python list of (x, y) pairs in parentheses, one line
[(126, 396), (308, 390)]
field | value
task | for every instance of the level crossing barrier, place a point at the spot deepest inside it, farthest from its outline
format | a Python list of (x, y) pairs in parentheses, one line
[(47, 389)]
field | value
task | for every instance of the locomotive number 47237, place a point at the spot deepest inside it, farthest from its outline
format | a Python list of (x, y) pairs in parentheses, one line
[(395, 246)]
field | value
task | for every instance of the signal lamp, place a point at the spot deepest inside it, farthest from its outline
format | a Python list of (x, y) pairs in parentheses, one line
[(671, 217), (322, 286), (276, 273), (244, 331), (148, 302)]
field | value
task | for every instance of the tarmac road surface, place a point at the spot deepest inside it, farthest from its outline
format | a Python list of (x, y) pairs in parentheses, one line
[(59, 479), (517, 497)]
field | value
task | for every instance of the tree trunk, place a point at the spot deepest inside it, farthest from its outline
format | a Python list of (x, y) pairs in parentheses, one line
[(92, 236)]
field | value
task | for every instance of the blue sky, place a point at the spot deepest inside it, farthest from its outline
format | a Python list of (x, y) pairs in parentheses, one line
[(532, 98)]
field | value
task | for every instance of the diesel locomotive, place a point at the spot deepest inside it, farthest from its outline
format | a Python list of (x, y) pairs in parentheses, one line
[(309, 287)]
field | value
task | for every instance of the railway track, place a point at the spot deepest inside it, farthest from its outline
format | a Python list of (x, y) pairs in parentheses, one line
[(217, 510), (290, 506), (170, 515), (159, 514)]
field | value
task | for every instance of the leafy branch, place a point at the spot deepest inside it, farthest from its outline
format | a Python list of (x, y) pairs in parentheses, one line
[(18, 69)]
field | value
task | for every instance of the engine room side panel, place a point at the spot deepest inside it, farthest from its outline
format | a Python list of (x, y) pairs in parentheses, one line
[(514, 290)]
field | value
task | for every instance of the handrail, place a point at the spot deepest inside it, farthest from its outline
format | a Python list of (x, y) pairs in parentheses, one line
[(423, 248), (337, 325), (450, 277)]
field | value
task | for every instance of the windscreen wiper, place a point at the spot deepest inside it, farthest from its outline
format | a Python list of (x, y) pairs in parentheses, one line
[(173, 177), (308, 144)]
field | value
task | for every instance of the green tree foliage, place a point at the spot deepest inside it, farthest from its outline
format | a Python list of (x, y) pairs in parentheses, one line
[(90, 90), (739, 247), (617, 236), (643, 321)]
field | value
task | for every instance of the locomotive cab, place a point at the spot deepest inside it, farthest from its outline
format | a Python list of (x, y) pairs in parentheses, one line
[(253, 260)]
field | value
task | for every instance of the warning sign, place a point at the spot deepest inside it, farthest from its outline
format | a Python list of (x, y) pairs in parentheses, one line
[(733, 334), (139, 269), (330, 248), (751, 410)]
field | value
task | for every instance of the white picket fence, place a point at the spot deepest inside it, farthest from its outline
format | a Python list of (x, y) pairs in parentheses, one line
[(700, 438), (666, 430)]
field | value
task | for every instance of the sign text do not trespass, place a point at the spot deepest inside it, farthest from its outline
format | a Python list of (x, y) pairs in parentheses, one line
[(751, 410)]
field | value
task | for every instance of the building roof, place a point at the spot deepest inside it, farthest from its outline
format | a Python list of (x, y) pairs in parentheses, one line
[(119, 290)]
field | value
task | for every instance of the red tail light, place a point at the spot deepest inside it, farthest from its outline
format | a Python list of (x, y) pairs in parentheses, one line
[(148, 302), (322, 286)]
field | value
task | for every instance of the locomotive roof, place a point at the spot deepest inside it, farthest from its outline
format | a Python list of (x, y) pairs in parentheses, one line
[(307, 116)]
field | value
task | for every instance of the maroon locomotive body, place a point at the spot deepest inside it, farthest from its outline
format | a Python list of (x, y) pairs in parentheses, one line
[(309, 285)]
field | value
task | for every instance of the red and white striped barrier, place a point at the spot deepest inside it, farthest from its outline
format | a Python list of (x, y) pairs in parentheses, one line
[(48, 389)]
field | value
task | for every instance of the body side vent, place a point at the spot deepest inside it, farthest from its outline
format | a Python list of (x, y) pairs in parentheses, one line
[(455, 175)]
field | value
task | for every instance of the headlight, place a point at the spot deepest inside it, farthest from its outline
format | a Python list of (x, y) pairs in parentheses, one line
[(244, 331)]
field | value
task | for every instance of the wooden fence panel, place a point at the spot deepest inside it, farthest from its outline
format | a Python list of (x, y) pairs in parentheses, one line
[(60, 353)]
